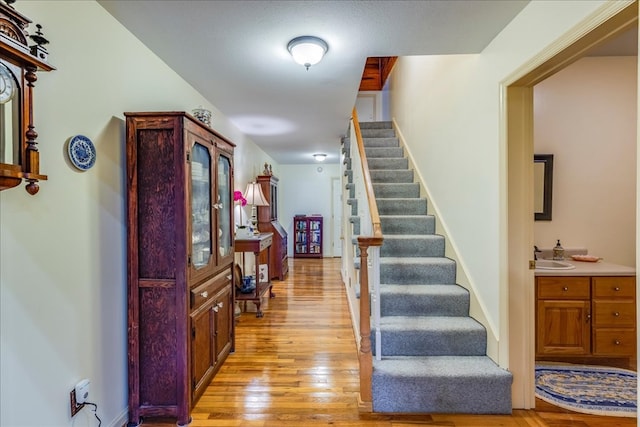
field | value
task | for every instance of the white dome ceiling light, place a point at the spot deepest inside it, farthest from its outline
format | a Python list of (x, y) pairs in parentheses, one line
[(307, 50)]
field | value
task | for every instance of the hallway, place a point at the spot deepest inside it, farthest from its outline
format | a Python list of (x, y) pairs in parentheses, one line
[(297, 366)]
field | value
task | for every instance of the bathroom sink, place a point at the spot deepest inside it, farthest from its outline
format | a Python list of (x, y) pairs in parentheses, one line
[(549, 264)]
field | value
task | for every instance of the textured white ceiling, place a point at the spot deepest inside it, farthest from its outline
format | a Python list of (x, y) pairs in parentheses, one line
[(234, 53)]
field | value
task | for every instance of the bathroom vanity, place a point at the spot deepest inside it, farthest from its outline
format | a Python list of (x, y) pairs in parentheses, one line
[(586, 313)]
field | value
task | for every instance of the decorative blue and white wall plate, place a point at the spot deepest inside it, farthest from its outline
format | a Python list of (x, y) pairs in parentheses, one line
[(82, 153)]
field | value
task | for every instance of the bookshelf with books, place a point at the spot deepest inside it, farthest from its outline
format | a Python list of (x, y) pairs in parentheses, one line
[(308, 236)]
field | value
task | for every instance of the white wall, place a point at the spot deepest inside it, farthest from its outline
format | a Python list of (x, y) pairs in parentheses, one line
[(306, 191), (585, 116), (448, 110), (62, 252)]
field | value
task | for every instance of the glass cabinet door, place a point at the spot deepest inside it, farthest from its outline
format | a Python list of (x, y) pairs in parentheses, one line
[(224, 207), (201, 239)]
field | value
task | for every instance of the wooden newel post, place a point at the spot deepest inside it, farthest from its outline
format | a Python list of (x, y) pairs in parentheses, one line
[(365, 401), (364, 355)]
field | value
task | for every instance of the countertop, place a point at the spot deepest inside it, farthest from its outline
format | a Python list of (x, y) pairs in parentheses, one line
[(600, 268)]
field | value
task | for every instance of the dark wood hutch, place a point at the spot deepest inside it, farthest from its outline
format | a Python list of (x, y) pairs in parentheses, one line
[(179, 175), (268, 222)]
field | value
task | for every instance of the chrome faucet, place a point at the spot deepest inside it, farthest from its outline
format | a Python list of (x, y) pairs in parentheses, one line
[(536, 251)]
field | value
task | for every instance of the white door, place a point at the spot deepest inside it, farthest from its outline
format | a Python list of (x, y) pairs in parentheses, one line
[(366, 107)]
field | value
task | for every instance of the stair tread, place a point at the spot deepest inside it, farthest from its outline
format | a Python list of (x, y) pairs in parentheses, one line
[(413, 236), (439, 366), (416, 261), (416, 216), (430, 289)]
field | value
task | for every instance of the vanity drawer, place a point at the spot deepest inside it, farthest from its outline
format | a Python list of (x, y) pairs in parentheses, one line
[(202, 293), (614, 313), (614, 342), (563, 287), (614, 287)]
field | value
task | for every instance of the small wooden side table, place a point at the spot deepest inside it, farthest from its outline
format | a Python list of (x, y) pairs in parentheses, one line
[(256, 244)]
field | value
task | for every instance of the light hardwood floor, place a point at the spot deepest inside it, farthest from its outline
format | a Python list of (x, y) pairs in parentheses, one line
[(297, 366)]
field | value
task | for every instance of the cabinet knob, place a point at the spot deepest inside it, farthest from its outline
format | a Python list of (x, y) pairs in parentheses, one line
[(229, 277), (616, 289), (616, 314), (588, 316), (220, 304), (565, 289), (216, 206), (215, 308), (204, 294), (616, 342)]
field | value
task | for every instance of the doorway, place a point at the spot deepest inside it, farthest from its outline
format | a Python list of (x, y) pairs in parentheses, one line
[(518, 133)]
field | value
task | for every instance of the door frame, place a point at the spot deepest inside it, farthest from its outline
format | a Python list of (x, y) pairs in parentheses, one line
[(517, 315), (336, 220)]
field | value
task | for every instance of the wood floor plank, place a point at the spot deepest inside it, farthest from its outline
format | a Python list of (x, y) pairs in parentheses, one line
[(298, 367)]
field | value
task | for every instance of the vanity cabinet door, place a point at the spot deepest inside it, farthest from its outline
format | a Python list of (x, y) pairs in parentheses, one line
[(563, 327)]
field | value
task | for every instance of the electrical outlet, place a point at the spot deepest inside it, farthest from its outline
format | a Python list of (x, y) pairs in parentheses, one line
[(82, 391), (75, 407)]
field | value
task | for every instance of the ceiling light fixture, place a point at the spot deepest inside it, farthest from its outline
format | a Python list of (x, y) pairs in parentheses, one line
[(307, 50), (320, 157)]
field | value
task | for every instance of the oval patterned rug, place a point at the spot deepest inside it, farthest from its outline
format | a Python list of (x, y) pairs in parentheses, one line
[(597, 390)]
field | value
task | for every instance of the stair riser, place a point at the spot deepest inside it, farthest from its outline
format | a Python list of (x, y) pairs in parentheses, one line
[(391, 176), (354, 206), (376, 125), (356, 224), (402, 207), (351, 188), (378, 133), (402, 274), (387, 153), (380, 142), (380, 163), (422, 305), (404, 191), (424, 224), (433, 246), (462, 395), (432, 343)]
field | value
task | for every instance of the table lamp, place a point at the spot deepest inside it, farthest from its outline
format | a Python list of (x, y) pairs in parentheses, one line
[(254, 196)]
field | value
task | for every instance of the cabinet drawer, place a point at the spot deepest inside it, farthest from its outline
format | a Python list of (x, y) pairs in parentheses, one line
[(614, 287), (614, 342), (563, 287), (204, 292), (614, 313)]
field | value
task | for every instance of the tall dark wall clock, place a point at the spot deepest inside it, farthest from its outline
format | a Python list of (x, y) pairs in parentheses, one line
[(19, 63)]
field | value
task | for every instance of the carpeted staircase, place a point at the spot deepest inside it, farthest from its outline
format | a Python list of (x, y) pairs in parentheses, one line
[(433, 353)]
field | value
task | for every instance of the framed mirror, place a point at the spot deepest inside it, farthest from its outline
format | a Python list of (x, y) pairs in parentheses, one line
[(543, 186)]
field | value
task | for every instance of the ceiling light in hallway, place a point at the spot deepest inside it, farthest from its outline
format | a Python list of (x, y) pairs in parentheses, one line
[(307, 50)]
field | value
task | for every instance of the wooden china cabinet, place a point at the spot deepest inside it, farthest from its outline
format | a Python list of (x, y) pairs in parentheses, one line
[(268, 222), (180, 256)]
